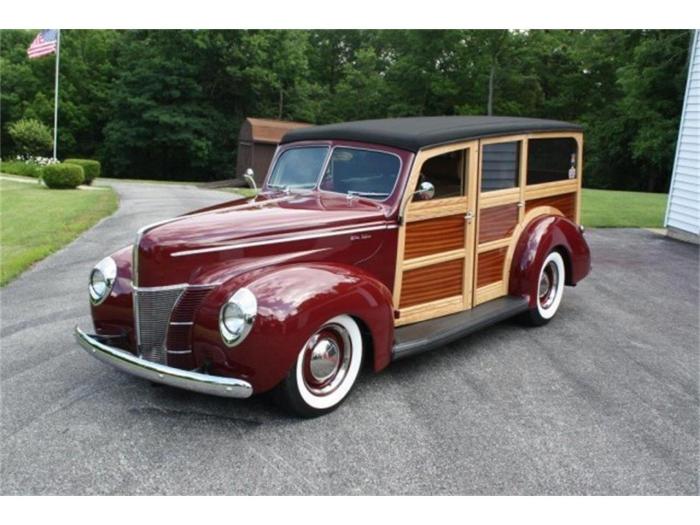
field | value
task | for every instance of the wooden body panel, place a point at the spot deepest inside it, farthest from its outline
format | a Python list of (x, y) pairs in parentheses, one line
[(500, 217), (435, 241), (566, 204), (490, 267), (498, 222), (430, 283), (434, 236), (496, 211)]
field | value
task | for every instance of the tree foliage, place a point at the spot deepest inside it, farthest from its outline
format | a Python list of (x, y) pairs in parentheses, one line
[(169, 104)]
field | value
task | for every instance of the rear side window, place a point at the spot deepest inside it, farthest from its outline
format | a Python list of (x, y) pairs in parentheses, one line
[(500, 166), (550, 160)]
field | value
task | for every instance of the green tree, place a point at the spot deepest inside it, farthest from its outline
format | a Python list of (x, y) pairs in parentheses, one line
[(165, 122), (653, 86), (169, 104)]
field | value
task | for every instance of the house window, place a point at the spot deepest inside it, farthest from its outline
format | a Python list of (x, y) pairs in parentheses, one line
[(550, 160), (500, 166), (446, 173)]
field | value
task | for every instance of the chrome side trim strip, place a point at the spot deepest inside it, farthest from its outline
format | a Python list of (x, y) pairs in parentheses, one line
[(167, 375), (315, 235)]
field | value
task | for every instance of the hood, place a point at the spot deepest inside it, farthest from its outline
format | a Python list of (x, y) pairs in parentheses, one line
[(215, 232)]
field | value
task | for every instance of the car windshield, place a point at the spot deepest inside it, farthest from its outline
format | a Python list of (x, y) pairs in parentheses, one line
[(361, 172), (298, 168)]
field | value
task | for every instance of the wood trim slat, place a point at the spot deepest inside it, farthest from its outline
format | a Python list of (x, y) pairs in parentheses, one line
[(422, 210), (419, 262), (433, 282), (490, 199), (500, 243), (421, 312), (548, 189), (492, 291), (434, 236)]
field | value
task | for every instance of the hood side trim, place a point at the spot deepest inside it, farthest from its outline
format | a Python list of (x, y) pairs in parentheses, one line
[(290, 238)]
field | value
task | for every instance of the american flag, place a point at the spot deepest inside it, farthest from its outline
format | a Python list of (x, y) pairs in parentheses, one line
[(43, 44)]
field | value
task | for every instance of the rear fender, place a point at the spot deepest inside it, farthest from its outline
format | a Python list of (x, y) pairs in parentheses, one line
[(542, 235), (293, 302)]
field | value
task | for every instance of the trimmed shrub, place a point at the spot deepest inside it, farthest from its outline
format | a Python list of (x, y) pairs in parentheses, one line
[(31, 137), (63, 176), (90, 167), (19, 167)]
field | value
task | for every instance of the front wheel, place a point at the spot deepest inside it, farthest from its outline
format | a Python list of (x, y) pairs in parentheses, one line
[(550, 289), (325, 370)]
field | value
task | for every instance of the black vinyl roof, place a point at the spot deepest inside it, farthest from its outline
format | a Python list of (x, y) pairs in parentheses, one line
[(415, 133)]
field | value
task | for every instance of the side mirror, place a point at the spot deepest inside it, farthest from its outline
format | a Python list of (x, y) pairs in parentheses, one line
[(250, 179), (425, 191)]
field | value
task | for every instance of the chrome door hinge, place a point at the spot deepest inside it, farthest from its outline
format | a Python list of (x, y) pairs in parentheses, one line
[(469, 216)]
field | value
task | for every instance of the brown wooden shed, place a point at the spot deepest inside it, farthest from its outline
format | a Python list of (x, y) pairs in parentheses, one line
[(257, 142)]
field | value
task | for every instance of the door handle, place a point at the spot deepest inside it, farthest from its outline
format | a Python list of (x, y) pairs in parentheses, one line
[(469, 216)]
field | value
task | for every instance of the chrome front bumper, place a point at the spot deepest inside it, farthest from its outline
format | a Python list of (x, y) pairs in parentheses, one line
[(167, 375)]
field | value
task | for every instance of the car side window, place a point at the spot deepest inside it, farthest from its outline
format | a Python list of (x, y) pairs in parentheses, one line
[(500, 166), (446, 173), (550, 160)]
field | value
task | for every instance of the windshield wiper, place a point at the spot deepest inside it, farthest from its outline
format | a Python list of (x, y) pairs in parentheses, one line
[(367, 193)]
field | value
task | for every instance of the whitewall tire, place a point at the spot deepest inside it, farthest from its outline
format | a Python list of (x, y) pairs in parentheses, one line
[(549, 290), (325, 370)]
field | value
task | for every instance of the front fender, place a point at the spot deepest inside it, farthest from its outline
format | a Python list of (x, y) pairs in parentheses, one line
[(536, 241), (293, 302)]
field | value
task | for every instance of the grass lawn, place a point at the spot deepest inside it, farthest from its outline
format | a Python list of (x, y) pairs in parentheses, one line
[(243, 192), (622, 209), (36, 221)]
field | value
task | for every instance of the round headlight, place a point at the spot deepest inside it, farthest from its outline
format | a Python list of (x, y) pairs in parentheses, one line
[(102, 279), (237, 316)]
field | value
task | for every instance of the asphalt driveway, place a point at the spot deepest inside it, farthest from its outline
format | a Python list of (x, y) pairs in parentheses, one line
[(603, 400)]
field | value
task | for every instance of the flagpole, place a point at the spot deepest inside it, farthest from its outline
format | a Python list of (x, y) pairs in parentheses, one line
[(55, 102)]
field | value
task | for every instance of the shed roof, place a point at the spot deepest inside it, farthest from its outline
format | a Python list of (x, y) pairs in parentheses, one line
[(271, 131), (415, 133)]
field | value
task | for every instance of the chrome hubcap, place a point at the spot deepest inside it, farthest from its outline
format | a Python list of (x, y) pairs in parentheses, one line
[(327, 357), (549, 282)]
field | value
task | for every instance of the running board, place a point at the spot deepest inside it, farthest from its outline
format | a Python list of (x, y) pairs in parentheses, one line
[(433, 333)]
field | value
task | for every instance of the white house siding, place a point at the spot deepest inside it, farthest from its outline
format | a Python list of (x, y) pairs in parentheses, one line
[(683, 212)]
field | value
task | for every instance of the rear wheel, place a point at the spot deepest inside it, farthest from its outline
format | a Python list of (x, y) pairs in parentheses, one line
[(550, 289), (325, 370)]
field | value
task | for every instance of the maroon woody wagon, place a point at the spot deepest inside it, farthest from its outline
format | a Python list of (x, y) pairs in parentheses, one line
[(368, 242)]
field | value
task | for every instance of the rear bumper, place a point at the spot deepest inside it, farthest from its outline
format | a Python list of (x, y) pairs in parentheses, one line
[(167, 375)]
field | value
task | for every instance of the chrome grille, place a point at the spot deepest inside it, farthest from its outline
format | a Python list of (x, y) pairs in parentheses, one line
[(152, 310)]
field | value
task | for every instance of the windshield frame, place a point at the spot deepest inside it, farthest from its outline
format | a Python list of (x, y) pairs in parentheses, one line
[(331, 148)]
